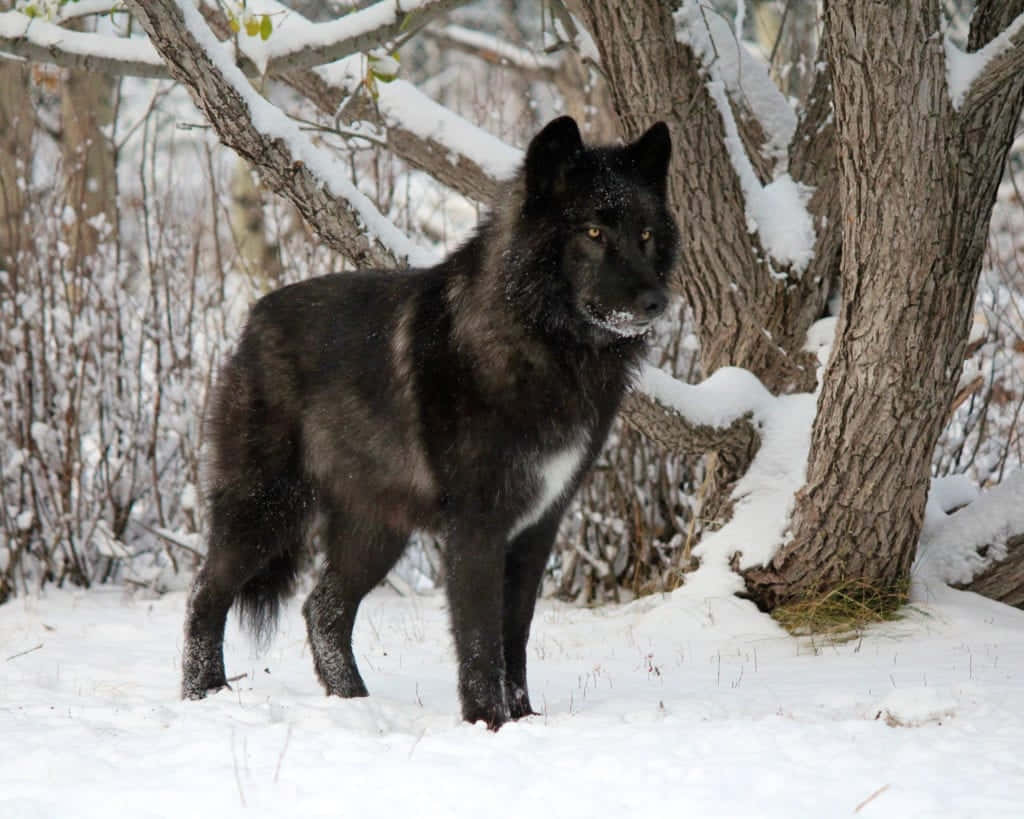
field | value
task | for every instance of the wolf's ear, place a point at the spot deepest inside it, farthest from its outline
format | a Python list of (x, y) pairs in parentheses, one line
[(550, 155), (650, 154)]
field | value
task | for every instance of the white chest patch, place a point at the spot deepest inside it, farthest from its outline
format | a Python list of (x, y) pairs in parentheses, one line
[(555, 473)]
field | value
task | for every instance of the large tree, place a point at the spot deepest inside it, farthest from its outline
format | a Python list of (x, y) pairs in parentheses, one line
[(885, 185)]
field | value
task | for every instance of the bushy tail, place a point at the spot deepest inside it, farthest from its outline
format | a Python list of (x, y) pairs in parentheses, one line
[(259, 601)]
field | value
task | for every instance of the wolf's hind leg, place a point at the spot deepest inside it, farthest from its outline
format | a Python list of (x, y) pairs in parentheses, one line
[(203, 656), (252, 558), (356, 562)]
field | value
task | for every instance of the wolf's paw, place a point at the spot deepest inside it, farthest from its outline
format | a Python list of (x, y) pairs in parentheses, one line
[(519, 702), (494, 715), (196, 690), (490, 706)]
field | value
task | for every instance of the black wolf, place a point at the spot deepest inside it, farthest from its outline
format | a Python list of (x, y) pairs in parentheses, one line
[(467, 399)]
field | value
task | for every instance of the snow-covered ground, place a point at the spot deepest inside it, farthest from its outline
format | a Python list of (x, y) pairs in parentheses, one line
[(669, 706)]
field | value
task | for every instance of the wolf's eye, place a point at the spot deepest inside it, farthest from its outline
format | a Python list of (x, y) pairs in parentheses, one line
[(645, 235), (594, 232)]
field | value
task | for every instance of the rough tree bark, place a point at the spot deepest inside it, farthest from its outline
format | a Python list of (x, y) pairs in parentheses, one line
[(918, 182)]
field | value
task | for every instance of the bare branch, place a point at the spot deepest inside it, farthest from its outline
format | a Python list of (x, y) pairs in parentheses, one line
[(496, 52), (459, 164)]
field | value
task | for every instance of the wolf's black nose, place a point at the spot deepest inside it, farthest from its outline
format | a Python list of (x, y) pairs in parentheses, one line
[(650, 303)]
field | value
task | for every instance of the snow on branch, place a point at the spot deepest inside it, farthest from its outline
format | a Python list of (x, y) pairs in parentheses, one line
[(777, 212), (424, 133), (732, 408), (286, 158), (403, 105), (298, 43), (42, 41), (980, 546), (745, 77), (973, 77)]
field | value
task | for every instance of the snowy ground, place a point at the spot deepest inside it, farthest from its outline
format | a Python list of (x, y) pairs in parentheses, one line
[(665, 707)]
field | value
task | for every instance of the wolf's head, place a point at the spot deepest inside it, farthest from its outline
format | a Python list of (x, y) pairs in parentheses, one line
[(597, 225)]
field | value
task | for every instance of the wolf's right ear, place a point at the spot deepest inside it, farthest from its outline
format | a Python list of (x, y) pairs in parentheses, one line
[(550, 155)]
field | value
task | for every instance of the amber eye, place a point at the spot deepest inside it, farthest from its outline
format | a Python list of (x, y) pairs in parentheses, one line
[(594, 232), (645, 235)]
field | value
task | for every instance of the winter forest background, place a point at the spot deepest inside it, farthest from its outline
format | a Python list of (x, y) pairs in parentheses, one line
[(132, 243), (749, 611)]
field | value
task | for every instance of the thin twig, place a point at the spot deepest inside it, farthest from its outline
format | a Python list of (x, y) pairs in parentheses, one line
[(880, 791), (280, 758), (23, 653)]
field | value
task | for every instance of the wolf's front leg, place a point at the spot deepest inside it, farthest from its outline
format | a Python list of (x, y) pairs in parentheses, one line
[(475, 577), (524, 566)]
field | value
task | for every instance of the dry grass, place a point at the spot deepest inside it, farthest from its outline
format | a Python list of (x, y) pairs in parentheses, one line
[(844, 611)]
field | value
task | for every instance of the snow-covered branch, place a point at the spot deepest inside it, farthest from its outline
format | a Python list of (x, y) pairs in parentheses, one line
[(288, 161), (42, 41), (746, 78), (714, 416), (296, 44), (422, 132), (973, 77), (776, 210), (980, 547)]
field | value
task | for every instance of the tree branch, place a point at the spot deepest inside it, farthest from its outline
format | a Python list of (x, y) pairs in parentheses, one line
[(283, 155), (308, 44), (1003, 58), (363, 30), (736, 444), (1004, 580), (689, 418), (496, 52), (44, 42), (437, 141), (422, 132)]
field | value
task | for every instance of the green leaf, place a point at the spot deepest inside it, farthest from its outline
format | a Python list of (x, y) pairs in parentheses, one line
[(266, 27), (252, 26), (384, 67)]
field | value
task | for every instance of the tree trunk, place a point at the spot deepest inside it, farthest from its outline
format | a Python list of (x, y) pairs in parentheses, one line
[(917, 185), (89, 174), (17, 123)]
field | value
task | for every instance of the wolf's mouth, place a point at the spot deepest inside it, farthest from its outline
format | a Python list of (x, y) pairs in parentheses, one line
[(620, 322)]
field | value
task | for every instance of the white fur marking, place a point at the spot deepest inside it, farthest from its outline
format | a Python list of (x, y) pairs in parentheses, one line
[(555, 474)]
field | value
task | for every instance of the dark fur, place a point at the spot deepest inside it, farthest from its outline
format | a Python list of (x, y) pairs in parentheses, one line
[(381, 402)]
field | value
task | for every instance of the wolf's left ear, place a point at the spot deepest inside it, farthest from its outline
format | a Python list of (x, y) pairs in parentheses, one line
[(550, 155), (650, 154)]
